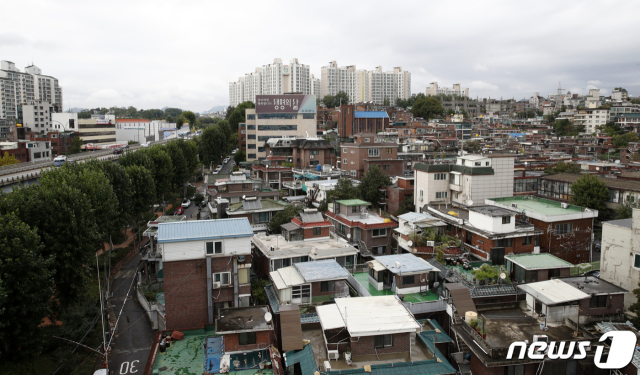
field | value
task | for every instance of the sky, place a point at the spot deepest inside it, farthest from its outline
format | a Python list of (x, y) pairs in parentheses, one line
[(154, 54)]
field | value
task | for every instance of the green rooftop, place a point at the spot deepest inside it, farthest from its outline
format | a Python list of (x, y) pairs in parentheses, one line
[(354, 202), (538, 205), (538, 261), (363, 279)]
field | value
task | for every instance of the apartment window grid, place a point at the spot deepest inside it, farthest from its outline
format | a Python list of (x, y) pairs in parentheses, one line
[(442, 194), (440, 176)]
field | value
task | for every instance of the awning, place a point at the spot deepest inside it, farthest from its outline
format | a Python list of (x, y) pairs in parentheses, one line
[(311, 176), (377, 266), (290, 328), (330, 317), (461, 298), (297, 175), (289, 227)]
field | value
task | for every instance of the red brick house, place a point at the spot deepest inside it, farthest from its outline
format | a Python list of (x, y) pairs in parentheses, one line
[(206, 267), (397, 192), (366, 151), (361, 227), (352, 122), (246, 329)]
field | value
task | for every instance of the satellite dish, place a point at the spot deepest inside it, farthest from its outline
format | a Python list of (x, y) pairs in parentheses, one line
[(349, 236), (617, 161), (410, 243), (503, 275), (470, 202), (267, 317)]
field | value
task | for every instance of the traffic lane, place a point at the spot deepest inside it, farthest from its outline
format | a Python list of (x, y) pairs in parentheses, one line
[(133, 337)]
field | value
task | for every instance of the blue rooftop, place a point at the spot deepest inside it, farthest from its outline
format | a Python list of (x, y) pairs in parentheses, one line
[(408, 263), (371, 114), (204, 230), (321, 270)]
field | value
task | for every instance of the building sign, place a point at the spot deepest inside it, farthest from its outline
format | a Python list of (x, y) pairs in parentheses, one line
[(285, 103)]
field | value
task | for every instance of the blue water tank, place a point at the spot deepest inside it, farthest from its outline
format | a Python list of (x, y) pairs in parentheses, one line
[(319, 167)]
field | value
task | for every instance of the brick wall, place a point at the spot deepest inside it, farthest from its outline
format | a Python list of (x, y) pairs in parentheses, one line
[(573, 247), (615, 303), (316, 289), (185, 290), (544, 274), (367, 237), (391, 168), (260, 263), (263, 340), (364, 345), (486, 244), (308, 233)]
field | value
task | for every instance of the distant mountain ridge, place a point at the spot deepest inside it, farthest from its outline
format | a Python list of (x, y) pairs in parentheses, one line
[(217, 108)]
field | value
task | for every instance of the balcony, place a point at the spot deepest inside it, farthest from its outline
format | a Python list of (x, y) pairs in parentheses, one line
[(455, 187)]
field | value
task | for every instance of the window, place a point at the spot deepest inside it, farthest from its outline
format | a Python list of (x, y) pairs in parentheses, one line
[(506, 219), (301, 293), (224, 278), (478, 164), (278, 127), (251, 156), (353, 173), (345, 150), (379, 232), (251, 127), (504, 242), (598, 301), (260, 217), (388, 151), (327, 286), (440, 176), (243, 276), (408, 280), (251, 117), (308, 116), (214, 248), (262, 138), (383, 341), (374, 152), (486, 163), (247, 338), (251, 136), (344, 161), (636, 260), (313, 152), (251, 146), (564, 228), (514, 370), (385, 167), (367, 140), (282, 116), (317, 231), (526, 240), (36, 155), (442, 194)]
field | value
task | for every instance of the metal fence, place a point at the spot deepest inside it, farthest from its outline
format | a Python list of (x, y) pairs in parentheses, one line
[(579, 269)]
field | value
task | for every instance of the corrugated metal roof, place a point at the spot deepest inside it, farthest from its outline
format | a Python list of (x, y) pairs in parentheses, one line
[(273, 299), (538, 261), (309, 318), (414, 216), (353, 202), (290, 276), (408, 263), (306, 359), (289, 226), (609, 326), (381, 315), (329, 316), (553, 292), (204, 230), (313, 217), (437, 333), (321, 270), (251, 205), (461, 298), (370, 114)]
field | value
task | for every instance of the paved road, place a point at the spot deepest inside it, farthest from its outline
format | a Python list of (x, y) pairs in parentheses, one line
[(134, 335)]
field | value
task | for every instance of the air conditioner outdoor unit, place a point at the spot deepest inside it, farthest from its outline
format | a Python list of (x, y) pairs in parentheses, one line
[(430, 243), (333, 354), (564, 205), (216, 285), (514, 205)]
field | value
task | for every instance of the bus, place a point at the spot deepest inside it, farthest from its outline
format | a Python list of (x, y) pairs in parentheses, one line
[(59, 160)]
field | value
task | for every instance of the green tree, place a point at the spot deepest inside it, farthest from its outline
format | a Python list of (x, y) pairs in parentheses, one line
[(120, 183), (27, 276), (329, 101), (8, 159), (635, 308), (590, 191), (257, 291), (190, 153), (180, 121), (211, 147), (344, 189), (386, 102), (440, 256), (181, 172), (190, 117), (427, 108), (143, 188), (76, 146), (473, 147), (562, 167), (163, 170), (562, 127), (237, 115), (239, 157), (635, 101), (172, 112), (340, 98), (283, 217), (611, 129), (485, 272), (371, 183), (625, 210), (620, 141)]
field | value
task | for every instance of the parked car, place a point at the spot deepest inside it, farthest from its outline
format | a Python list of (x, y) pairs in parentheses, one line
[(595, 273), (186, 203), (117, 151), (179, 211), (145, 145)]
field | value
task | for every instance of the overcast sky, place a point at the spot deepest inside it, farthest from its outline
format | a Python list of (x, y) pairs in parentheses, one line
[(152, 54)]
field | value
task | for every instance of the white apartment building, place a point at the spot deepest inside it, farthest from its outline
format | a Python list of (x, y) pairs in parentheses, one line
[(469, 181), (272, 79), (591, 118), (315, 86), (18, 88), (619, 95), (434, 90), (362, 85), (620, 255)]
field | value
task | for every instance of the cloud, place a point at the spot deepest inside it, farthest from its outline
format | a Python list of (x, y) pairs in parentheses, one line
[(153, 54)]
